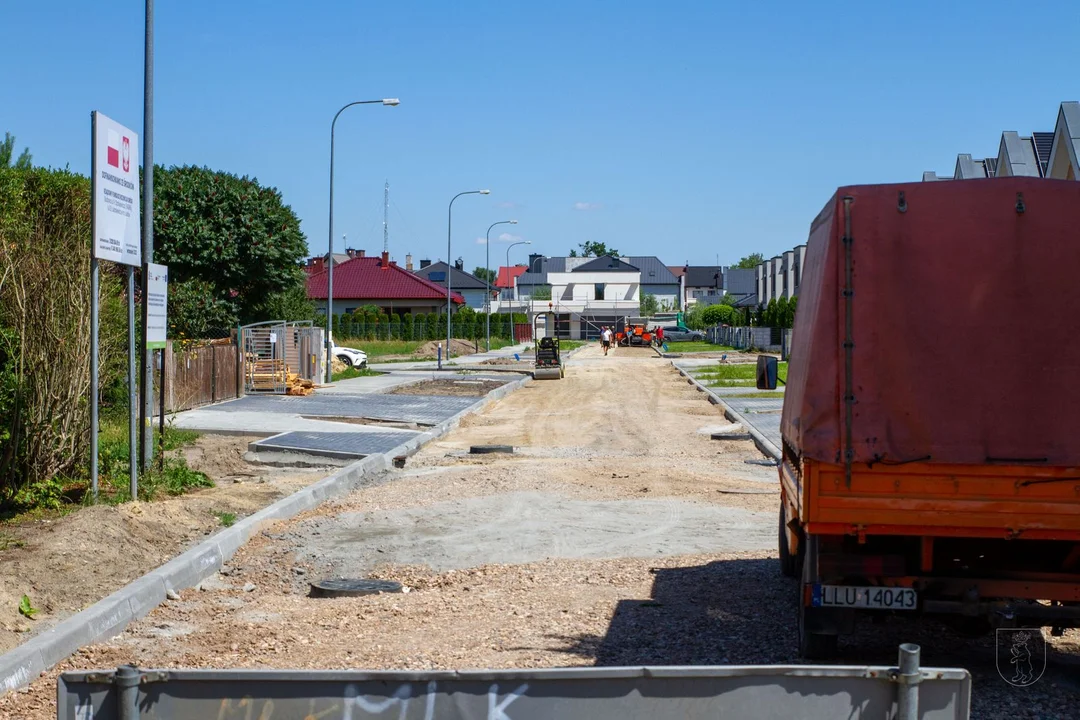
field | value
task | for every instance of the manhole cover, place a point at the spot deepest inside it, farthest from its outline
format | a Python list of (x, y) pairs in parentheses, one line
[(346, 587), (485, 449)]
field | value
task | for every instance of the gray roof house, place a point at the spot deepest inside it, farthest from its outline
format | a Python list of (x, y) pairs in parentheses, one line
[(472, 288), (656, 278)]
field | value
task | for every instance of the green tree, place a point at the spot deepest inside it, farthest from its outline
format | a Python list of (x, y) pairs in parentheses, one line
[(231, 233), (194, 312), (590, 248), (7, 152), (719, 315), (749, 262), (649, 305), (769, 317), (781, 317), (485, 274), (692, 317), (289, 304), (542, 292)]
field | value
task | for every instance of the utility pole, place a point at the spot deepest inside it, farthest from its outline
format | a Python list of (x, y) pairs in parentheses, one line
[(386, 217)]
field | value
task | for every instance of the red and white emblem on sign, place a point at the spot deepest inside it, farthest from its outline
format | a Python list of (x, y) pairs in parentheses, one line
[(112, 155), (118, 152)]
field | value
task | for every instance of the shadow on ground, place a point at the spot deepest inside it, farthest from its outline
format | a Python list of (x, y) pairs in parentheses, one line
[(743, 612), (725, 612)]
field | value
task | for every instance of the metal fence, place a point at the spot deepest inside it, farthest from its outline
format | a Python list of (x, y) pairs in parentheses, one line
[(350, 326), (275, 352), (808, 692), (745, 338)]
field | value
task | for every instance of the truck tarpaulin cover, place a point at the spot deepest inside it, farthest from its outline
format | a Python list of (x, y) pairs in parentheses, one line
[(965, 308)]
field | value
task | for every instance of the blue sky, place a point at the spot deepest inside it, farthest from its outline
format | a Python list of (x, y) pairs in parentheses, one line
[(687, 130)]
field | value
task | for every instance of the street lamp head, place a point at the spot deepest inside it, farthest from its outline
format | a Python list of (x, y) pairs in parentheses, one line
[(392, 102), (485, 192), (513, 222)]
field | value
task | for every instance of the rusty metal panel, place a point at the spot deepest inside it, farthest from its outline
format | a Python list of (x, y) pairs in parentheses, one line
[(981, 255)]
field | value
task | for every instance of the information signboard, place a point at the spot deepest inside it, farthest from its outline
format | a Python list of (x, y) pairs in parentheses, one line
[(157, 304), (115, 192)]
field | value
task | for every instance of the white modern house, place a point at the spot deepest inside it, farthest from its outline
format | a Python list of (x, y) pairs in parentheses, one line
[(584, 293)]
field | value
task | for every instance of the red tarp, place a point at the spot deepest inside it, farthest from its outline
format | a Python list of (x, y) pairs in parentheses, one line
[(966, 320)]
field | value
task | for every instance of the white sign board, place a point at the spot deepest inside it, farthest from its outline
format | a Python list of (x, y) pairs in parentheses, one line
[(157, 305), (115, 192)]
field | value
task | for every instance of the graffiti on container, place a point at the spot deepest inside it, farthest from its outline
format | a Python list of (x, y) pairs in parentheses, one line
[(355, 706)]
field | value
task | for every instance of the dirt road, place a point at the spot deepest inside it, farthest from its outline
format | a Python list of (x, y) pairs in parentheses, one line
[(64, 564), (616, 534)]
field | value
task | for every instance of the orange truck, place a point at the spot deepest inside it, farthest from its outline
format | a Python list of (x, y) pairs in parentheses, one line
[(635, 332), (931, 419)]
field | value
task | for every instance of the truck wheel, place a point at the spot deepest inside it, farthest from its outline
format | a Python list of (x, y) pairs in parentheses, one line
[(789, 565), (812, 645)]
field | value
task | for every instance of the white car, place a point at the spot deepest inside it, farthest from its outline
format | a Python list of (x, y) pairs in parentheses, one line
[(350, 356)]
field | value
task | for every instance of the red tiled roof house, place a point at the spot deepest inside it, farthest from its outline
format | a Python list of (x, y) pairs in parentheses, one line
[(379, 281)]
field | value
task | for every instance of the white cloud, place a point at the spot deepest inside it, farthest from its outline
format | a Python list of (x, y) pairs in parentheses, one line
[(503, 238), (587, 206), (507, 204)]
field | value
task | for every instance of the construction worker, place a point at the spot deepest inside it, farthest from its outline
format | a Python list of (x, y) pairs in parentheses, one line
[(660, 337), (605, 338)]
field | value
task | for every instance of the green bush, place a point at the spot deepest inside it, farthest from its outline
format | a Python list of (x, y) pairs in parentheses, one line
[(407, 326), (233, 234), (45, 329), (431, 326), (719, 314)]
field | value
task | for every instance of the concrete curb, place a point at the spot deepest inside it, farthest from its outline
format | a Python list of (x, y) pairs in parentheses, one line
[(108, 617), (765, 445)]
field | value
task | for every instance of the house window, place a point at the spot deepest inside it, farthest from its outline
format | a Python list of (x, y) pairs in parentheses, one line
[(699, 293), (598, 291)]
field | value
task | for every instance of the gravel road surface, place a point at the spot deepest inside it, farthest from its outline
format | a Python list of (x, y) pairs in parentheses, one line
[(616, 534)]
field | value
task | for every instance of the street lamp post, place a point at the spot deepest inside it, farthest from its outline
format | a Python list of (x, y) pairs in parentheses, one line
[(330, 255), (449, 267), (487, 277), (510, 280)]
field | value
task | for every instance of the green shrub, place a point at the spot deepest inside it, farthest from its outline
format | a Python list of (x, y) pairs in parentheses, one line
[(44, 310)]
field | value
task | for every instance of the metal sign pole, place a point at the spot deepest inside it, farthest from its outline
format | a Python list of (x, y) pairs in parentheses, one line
[(161, 414), (133, 399), (94, 377), (93, 319), (147, 412)]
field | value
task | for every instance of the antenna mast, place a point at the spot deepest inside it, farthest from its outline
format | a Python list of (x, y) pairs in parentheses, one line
[(385, 217)]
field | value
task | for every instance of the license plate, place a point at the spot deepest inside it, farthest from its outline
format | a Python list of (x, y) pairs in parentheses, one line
[(873, 598)]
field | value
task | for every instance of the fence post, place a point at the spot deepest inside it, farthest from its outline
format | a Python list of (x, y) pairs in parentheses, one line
[(908, 678), (239, 361)]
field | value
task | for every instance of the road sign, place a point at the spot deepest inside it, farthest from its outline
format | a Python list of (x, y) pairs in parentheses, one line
[(157, 303), (115, 193)]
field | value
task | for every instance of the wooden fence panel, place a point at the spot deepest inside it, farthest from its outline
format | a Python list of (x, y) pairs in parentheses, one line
[(199, 376)]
